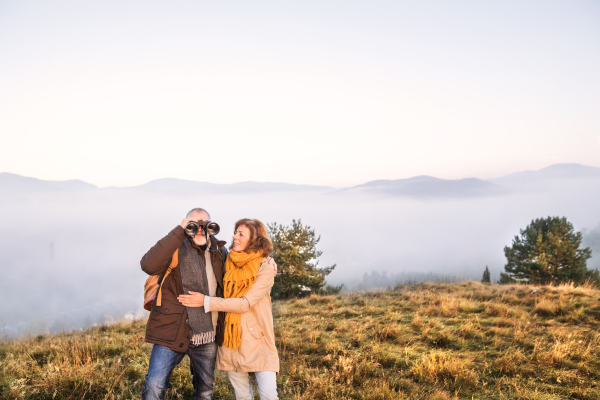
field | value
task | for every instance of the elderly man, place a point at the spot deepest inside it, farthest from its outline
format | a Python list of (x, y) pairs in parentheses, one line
[(176, 330)]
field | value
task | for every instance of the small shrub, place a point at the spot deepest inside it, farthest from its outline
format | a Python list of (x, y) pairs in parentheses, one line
[(545, 308), (467, 331), (505, 323), (468, 307), (440, 339), (388, 332), (316, 299), (40, 357), (343, 369), (417, 322), (454, 372), (510, 362), (497, 310)]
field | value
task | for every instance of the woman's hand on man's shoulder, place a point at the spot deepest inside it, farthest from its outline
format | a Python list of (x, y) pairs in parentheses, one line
[(272, 263)]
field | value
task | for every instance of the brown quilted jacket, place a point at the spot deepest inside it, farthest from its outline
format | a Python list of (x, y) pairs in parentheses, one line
[(168, 324)]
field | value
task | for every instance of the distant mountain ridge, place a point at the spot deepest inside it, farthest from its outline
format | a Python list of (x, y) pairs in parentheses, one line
[(418, 186), (553, 172), (13, 183), (428, 186), (17, 183)]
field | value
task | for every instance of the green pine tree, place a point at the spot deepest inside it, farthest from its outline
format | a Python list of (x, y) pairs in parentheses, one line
[(486, 276), (294, 251), (505, 279), (546, 251)]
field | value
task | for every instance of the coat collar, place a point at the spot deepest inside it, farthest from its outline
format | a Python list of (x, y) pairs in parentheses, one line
[(216, 244)]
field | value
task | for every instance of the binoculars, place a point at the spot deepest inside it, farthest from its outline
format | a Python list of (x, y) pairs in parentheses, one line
[(193, 228)]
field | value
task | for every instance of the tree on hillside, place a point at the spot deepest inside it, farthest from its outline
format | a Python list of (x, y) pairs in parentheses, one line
[(294, 251), (546, 251), (486, 276)]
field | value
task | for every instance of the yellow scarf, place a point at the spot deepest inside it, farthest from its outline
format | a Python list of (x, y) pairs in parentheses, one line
[(240, 274)]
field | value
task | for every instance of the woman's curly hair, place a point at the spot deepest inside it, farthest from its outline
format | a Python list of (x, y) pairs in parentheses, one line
[(259, 240)]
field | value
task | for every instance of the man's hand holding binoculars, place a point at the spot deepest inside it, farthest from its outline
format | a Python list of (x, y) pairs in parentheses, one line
[(187, 221)]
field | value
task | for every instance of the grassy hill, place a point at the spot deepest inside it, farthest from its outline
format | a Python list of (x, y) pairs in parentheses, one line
[(427, 341)]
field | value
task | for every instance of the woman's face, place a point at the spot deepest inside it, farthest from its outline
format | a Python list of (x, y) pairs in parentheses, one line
[(241, 237)]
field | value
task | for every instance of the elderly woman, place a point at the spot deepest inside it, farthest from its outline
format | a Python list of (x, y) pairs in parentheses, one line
[(249, 344)]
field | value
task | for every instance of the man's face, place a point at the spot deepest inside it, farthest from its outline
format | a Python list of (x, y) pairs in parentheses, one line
[(200, 238)]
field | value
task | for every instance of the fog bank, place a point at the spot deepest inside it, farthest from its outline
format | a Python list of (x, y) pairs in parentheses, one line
[(71, 260)]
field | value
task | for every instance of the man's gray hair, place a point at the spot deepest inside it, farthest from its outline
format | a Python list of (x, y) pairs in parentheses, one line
[(193, 210)]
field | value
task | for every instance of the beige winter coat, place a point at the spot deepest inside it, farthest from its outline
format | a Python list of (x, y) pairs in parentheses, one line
[(257, 351)]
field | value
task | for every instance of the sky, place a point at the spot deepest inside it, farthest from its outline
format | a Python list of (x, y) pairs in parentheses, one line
[(337, 93)]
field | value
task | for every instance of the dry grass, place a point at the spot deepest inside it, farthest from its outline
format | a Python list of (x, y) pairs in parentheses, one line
[(429, 341)]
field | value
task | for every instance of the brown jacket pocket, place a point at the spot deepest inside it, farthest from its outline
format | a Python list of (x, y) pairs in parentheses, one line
[(164, 321)]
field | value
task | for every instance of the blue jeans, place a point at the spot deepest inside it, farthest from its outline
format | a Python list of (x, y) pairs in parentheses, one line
[(162, 362)]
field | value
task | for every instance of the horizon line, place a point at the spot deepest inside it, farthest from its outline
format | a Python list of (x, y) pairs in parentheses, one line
[(293, 184)]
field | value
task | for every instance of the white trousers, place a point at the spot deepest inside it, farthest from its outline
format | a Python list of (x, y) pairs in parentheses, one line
[(267, 385)]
